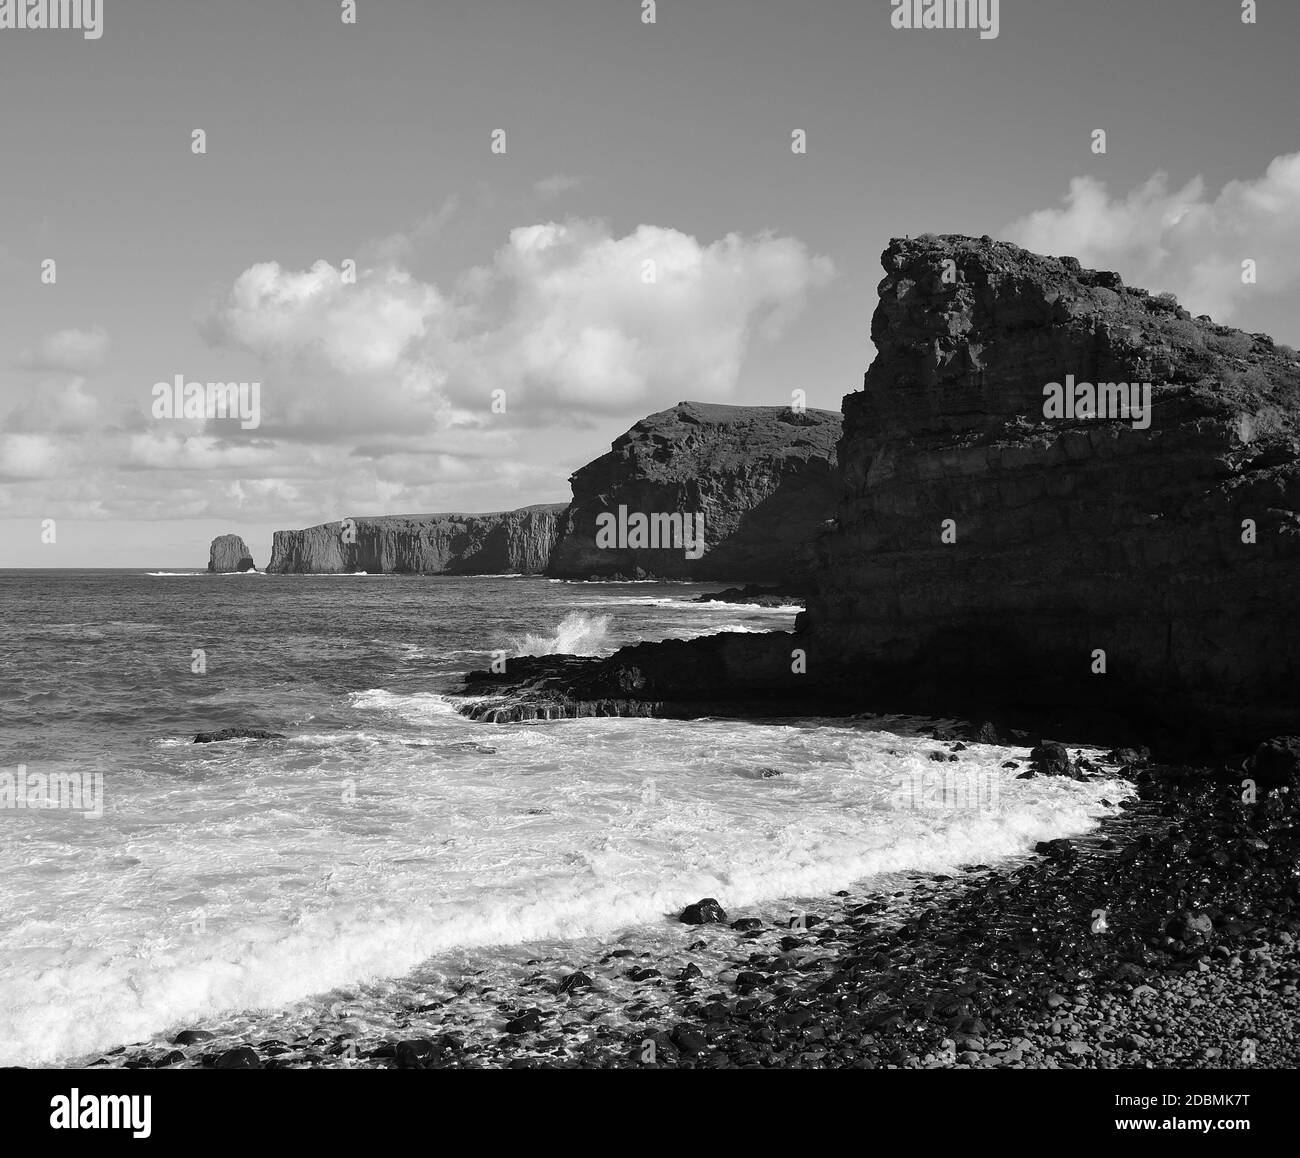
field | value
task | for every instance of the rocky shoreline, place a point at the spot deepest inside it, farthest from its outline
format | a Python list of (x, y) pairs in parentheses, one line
[(1166, 939)]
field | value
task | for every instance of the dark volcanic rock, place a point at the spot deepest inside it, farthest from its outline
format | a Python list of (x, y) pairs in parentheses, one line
[(237, 734), (1050, 759), (229, 553), (1071, 535), (240, 1058), (753, 595), (763, 477), (729, 674), (575, 981), (1277, 761), (504, 542), (414, 1053), (705, 912)]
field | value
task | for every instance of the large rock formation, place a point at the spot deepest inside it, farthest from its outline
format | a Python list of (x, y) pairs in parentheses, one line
[(762, 477), (229, 553), (989, 557), (506, 542), (1173, 549)]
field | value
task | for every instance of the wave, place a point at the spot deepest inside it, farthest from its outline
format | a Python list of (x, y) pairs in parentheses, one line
[(75, 1001), (577, 634), (415, 708)]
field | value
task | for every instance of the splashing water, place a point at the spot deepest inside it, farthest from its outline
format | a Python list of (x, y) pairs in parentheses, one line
[(577, 634)]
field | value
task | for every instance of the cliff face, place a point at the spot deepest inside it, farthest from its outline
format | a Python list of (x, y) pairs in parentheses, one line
[(1173, 548), (998, 551), (507, 542), (229, 553), (762, 477)]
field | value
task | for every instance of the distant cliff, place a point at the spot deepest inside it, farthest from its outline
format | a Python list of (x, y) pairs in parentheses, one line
[(762, 477), (229, 553), (505, 542)]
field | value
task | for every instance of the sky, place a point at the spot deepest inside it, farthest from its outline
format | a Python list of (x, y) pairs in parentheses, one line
[(440, 317)]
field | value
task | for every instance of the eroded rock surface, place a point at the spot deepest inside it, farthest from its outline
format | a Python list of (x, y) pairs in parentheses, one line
[(504, 542), (762, 477)]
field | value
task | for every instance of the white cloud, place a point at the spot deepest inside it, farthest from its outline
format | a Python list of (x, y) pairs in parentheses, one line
[(72, 351), (571, 321), (31, 456), (62, 406), (1182, 240)]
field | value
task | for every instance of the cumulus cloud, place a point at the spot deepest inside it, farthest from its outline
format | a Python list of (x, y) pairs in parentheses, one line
[(31, 456), (1184, 240), (571, 321), (56, 407), (72, 351)]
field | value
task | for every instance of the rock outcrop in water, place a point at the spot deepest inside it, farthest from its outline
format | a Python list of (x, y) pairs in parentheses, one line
[(1136, 568), (503, 543), (229, 553), (762, 477)]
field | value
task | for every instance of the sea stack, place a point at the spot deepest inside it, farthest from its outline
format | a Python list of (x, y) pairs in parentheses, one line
[(229, 553)]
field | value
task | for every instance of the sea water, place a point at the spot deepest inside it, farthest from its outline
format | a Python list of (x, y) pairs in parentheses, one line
[(388, 844)]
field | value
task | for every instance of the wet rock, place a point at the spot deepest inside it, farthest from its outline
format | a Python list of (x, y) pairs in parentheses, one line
[(703, 912), (794, 1018), (745, 924), (643, 973), (414, 1053), (242, 1057), (192, 1036), (237, 734), (1191, 928), (748, 980), (1059, 849), (574, 982), (1051, 759), (691, 971), (529, 1021), (689, 1040)]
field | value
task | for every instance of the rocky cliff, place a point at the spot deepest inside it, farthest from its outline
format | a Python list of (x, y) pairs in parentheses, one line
[(762, 478), (990, 538), (229, 553), (505, 542), (1000, 550)]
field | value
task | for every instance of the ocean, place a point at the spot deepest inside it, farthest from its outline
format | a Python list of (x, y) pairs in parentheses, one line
[(389, 847)]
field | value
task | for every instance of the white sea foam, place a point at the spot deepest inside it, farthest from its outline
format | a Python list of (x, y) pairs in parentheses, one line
[(577, 634), (288, 870)]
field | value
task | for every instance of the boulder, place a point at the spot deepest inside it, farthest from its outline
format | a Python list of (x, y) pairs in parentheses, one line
[(704, 912)]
